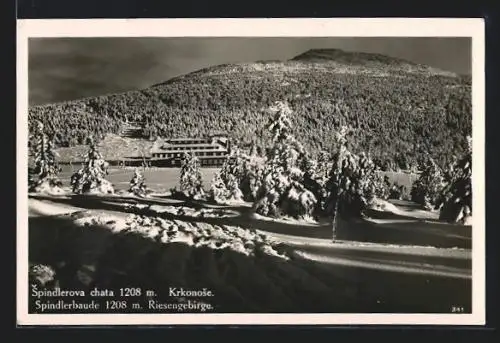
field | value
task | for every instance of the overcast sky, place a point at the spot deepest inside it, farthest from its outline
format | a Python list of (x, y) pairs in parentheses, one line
[(71, 68)]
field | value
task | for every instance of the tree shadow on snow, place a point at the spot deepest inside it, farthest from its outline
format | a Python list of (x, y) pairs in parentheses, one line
[(406, 233), (93, 256), (243, 217), (410, 232)]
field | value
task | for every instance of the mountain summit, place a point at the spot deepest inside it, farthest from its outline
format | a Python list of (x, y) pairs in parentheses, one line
[(370, 60)]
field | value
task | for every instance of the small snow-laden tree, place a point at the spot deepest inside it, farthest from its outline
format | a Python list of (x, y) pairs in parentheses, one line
[(138, 184), (372, 180), (314, 181), (282, 192), (233, 185), (91, 178), (323, 168), (253, 149), (253, 168), (280, 126), (226, 185), (218, 190), (336, 185), (191, 181), (427, 188), (346, 186), (43, 276), (455, 200), (44, 176)]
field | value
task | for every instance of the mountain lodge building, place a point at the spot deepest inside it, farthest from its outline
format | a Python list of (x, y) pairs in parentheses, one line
[(211, 151)]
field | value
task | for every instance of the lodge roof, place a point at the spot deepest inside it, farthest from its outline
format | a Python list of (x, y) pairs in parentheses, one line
[(191, 146), (197, 139), (176, 145)]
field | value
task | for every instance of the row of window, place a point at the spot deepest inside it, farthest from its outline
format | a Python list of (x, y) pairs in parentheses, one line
[(197, 153), (177, 148), (207, 162)]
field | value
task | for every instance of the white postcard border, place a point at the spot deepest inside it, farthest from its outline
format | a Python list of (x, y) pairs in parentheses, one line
[(355, 27)]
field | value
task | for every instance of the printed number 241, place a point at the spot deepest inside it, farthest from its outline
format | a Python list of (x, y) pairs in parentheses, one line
[(457, 309)]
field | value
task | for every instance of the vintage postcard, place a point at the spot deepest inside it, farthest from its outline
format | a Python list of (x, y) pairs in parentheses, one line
[(251, 171)]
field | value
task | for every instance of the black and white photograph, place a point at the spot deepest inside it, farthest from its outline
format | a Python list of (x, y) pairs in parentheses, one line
[(197, 177)]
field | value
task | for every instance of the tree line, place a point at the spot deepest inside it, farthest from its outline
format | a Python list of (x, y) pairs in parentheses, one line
[(287, 181), (399, 119)]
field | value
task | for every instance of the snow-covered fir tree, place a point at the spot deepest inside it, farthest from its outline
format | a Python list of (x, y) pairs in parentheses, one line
[(323, 171), (191, 181), (91, 178), (281, 125), (354, 183), (138, 184), (427, 188), (253, 168), (324, 166), (312, 181), (455, 200), (339, 181), (227, 182), (44, 176), (252, 173), (218, 189), (253, 149), (233, 187), (282, 192)]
